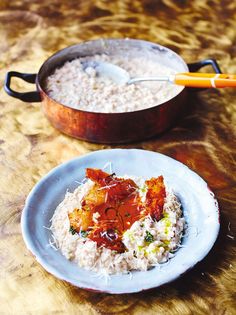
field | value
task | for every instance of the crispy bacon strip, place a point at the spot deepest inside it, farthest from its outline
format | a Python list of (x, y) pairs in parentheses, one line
[(106, 235), (82, 219), (117, 188), (155, 197)]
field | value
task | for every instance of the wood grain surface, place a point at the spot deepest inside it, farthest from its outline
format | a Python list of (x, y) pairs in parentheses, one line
[(204, 139)]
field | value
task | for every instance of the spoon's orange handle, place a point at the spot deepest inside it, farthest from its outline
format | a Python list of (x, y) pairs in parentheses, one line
[(205, 80)]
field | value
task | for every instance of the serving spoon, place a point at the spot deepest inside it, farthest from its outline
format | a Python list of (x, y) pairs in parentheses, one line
[(106, 70)]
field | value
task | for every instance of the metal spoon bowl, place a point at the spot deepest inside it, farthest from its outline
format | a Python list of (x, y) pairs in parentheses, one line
[(106, 70)]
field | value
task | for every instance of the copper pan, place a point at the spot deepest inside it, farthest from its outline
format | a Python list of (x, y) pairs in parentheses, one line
[(108, 127)]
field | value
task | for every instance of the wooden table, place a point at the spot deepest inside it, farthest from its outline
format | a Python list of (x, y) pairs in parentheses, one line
[(204, 140)]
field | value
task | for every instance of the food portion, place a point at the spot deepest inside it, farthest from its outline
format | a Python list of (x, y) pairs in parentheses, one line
[(78, 87), (113, 224), (112, 205)]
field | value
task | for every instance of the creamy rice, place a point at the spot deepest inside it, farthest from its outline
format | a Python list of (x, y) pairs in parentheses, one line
[(76, 88), (139, 255)]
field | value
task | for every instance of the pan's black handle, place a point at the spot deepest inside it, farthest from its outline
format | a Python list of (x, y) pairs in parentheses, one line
[(27, 96), (194, 67)]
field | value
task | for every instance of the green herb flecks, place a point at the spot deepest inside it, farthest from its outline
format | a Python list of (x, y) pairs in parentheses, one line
[(72, 230), (149, 237), (83, 233), (143, 189)]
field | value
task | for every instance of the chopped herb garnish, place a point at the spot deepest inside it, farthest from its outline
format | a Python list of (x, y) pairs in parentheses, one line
[(83, 233), (134, 254), (143, 189), (149, 237), (72, 230), (127, 215)]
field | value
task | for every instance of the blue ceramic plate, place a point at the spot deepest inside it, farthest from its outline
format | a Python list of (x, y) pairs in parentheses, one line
[(199, 206)]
